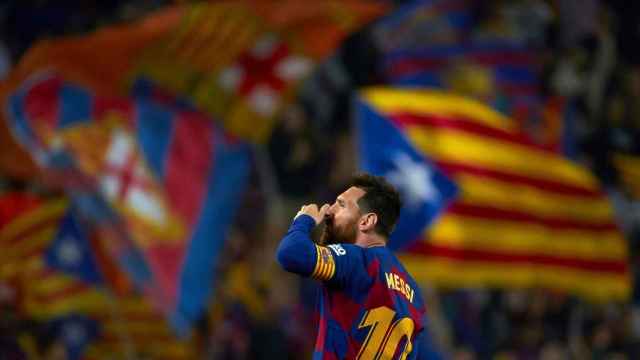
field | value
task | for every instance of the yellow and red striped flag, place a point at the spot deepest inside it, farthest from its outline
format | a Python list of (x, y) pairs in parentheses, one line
[(523, 216), (126, 323), (25, 237), (131, 326), (27, 260)]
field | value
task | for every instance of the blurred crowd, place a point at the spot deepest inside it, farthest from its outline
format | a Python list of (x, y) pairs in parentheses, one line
[(589, 55)]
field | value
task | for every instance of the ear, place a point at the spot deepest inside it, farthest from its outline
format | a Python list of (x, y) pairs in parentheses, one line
[(367, 222)]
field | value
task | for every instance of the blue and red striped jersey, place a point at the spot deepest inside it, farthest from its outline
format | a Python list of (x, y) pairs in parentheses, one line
[(370, 307)]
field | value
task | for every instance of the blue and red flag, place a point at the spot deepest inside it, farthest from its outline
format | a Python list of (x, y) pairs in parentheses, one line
[(167, 180), (434, 43)]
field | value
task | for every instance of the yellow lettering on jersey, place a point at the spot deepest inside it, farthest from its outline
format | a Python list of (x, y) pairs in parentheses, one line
[(389, 277), (395, 282)]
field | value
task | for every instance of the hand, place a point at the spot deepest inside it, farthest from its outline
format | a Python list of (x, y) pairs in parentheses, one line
[(312, 210)]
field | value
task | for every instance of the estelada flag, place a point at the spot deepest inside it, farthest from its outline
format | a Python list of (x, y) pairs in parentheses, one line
[(522, 216), (50, 264)]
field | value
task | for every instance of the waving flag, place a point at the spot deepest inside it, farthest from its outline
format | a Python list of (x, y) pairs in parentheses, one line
[(77, 332), (420, 22), (24, 237), (433, 43), (523, 217), (45, 293), (13, 203), (425, 190), (130, 327), (479, 68), (71, 251), (505, 75), (93, 322), (170, 179), (238, 61), (31, 243)]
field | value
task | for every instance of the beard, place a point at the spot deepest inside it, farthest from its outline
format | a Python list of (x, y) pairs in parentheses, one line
[(335, 234)]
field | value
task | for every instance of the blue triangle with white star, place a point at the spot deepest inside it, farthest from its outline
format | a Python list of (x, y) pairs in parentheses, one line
[(425, 191), (71, 252), (75, 332)]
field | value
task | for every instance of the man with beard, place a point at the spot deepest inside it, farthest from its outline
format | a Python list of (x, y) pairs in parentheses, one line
[(370, 306)]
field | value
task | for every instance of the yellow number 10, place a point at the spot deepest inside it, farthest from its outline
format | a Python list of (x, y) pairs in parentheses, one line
[(383, 337)]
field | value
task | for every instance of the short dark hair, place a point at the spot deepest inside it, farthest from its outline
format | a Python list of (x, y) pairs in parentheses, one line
[(380, 198)]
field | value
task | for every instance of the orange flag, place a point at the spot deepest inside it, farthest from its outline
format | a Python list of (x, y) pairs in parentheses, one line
[(239, 61)]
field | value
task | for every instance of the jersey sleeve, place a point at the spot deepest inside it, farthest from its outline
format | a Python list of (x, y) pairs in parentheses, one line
[(344, 261), (337, 264), (297, 252)]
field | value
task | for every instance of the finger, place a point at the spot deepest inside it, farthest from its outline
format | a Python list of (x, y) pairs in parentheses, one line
[(301, 211), (324, 209)]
